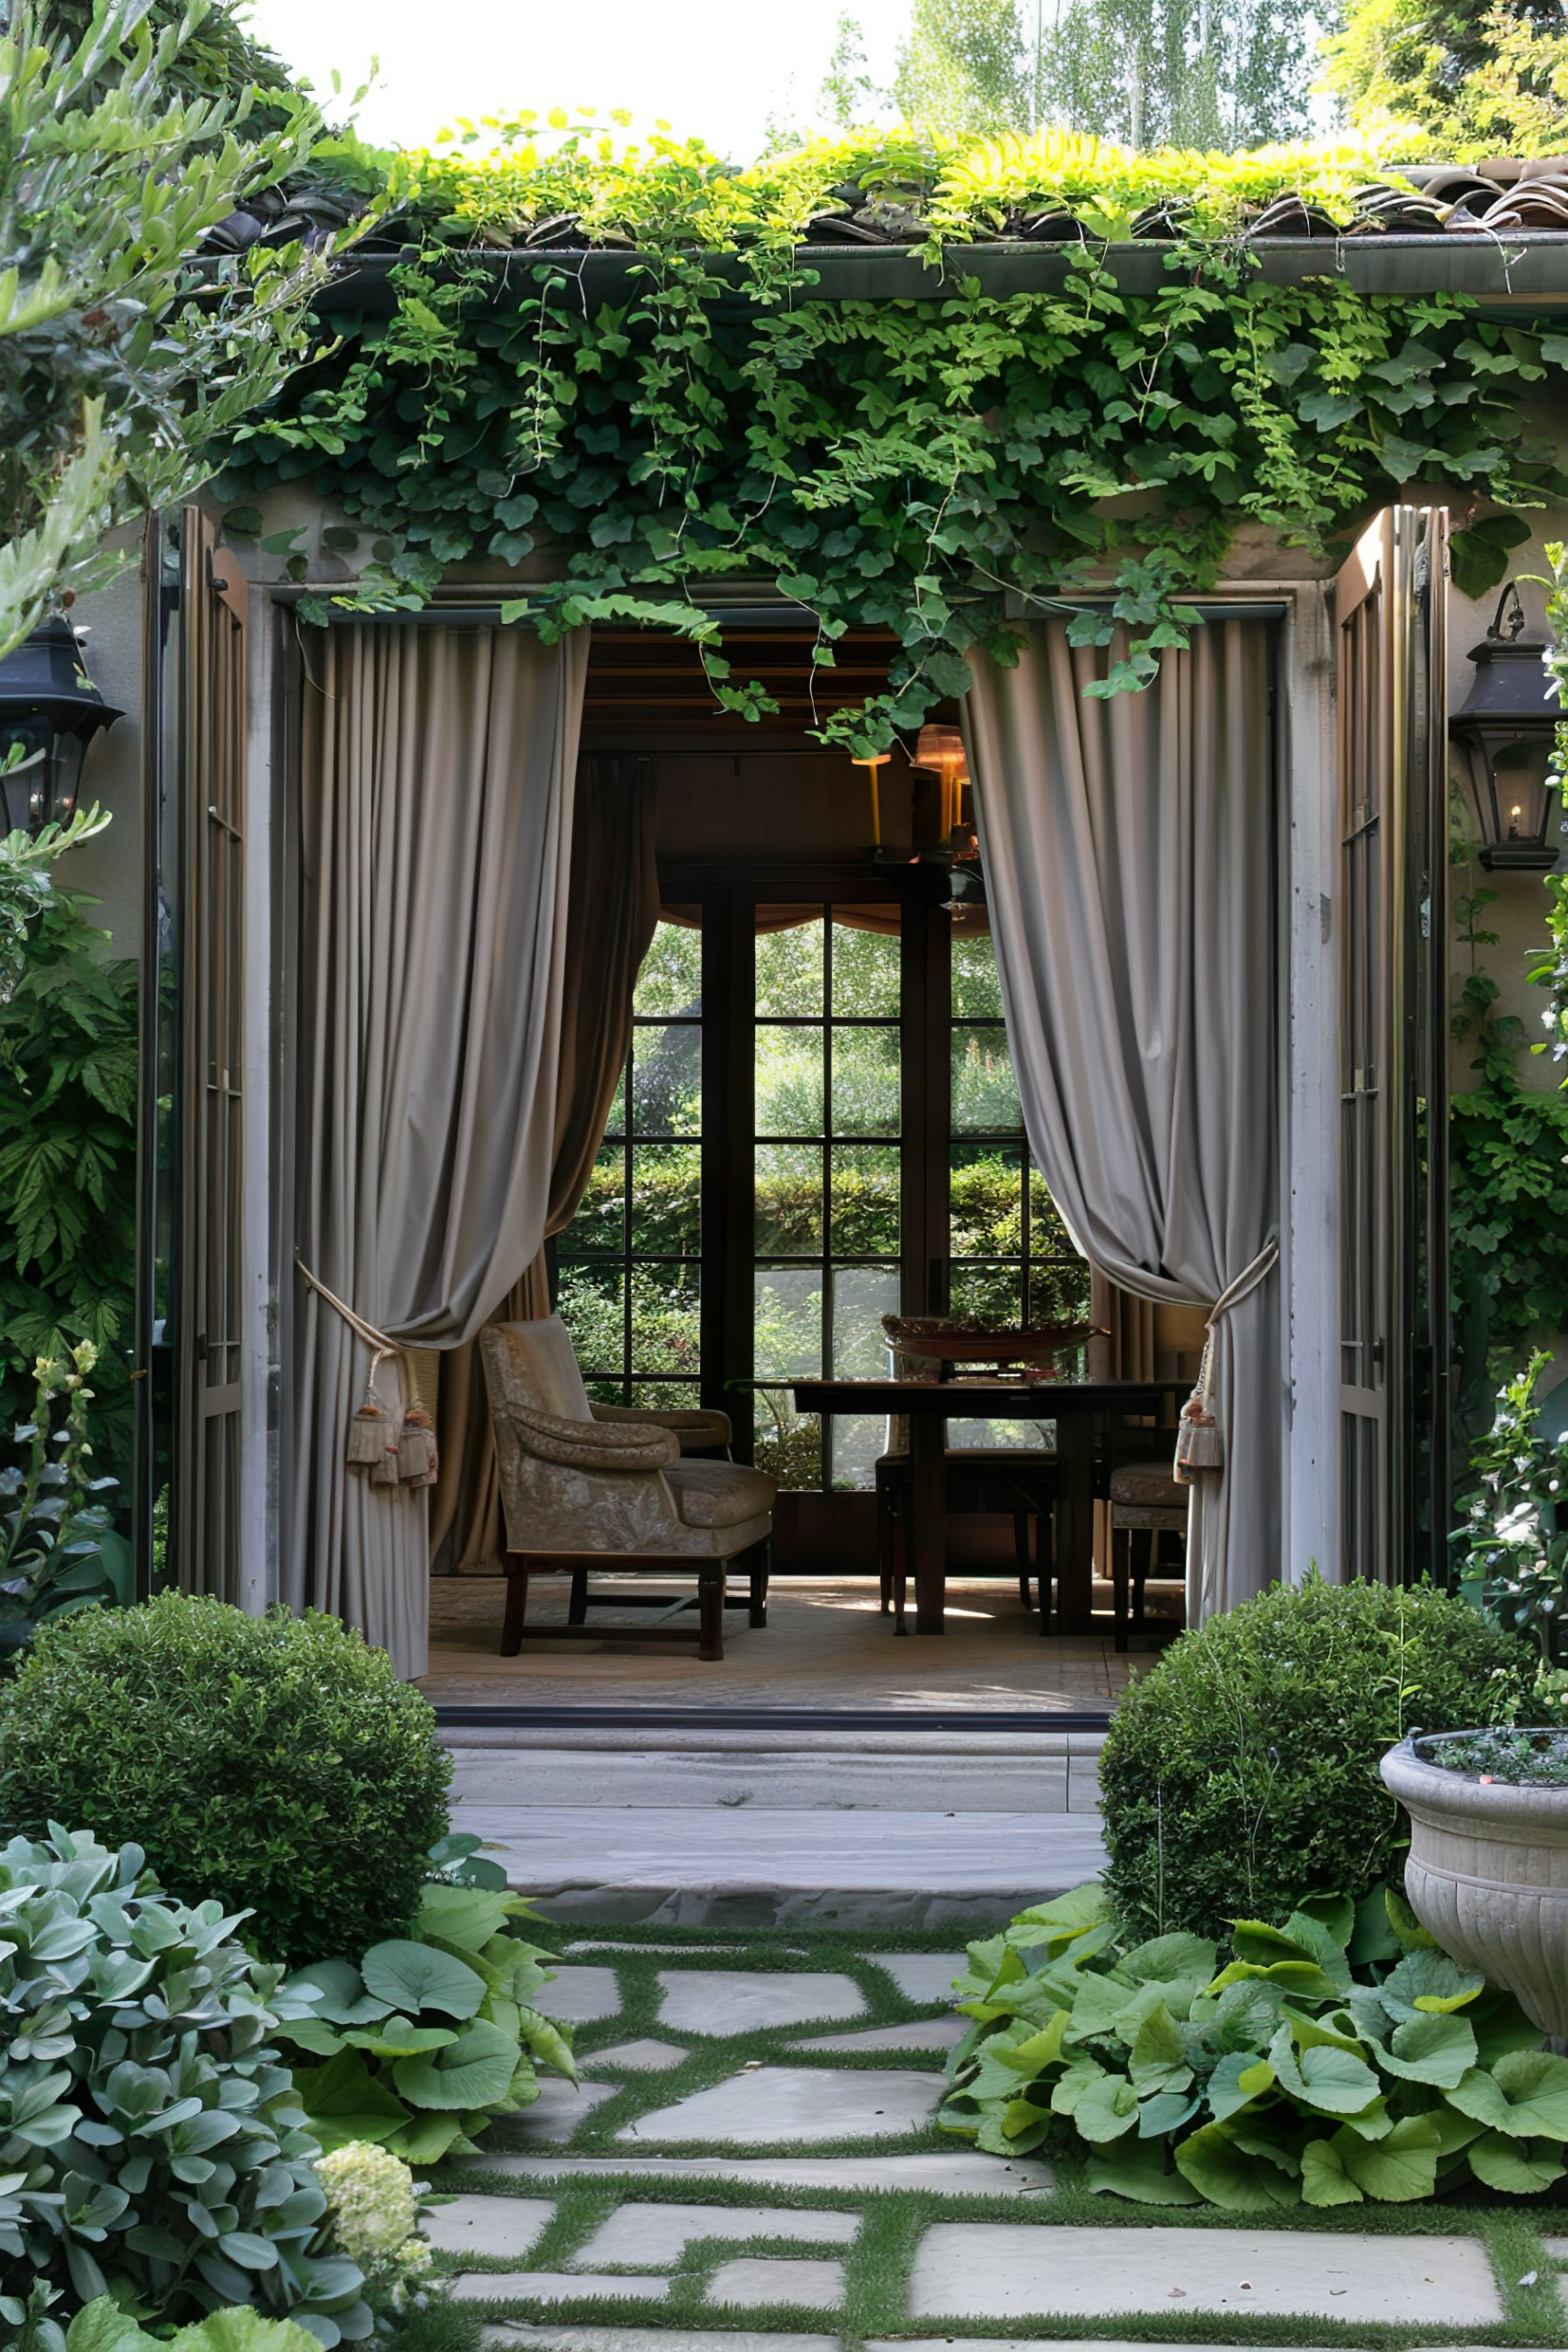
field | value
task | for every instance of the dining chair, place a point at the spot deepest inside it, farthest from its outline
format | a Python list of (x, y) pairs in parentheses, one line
[(1148, 1511)]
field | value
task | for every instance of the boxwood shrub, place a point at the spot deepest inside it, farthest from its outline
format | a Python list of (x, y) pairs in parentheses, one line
[(277, 1763), (1240, 1775)]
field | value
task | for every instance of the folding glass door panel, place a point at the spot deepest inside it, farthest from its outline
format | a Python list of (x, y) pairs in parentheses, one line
[(629, 1265)]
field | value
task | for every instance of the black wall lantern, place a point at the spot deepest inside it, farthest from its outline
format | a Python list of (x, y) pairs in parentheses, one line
[(50, 711), (1506, 732)]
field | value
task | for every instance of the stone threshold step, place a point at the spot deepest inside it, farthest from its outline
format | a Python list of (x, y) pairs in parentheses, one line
[(636, 1736), (720, 1866), (542, 2338), (659, 1779)]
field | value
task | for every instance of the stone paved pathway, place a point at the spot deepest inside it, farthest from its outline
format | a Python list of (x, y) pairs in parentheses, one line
[(773, 2172)]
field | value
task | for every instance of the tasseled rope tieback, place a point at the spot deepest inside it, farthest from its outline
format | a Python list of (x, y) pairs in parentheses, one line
[(395, 1452), (1199, 1442)]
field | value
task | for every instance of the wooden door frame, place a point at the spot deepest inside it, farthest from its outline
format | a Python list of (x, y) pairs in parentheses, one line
[(1390, 608)]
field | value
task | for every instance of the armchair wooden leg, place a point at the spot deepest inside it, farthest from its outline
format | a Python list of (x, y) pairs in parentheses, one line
[(761, 1569), (710, 1612), (1020, 1552), (577, 1606), (1121, 1560), (900, 1576), (884, 1543), (516, 1603)]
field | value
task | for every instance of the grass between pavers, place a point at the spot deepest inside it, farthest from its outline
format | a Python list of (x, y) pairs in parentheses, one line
[(878, 2265)]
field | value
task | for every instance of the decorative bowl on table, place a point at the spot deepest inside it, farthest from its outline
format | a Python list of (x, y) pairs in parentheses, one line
[(940, 1338)]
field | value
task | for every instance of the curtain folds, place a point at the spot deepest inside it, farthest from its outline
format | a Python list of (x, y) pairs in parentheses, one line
[(613, 910), (436, 822), (1128, 849)]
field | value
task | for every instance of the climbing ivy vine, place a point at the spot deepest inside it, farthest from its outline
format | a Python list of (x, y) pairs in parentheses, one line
[(940, 466)]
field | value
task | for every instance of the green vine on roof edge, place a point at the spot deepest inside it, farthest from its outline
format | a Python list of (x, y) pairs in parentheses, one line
[(944, 467)]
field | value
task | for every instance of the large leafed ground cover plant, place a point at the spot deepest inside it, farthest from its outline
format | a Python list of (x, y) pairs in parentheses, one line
[(937, 466)]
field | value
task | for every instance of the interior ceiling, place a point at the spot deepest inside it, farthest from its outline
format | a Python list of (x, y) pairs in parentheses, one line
[(643, 684)]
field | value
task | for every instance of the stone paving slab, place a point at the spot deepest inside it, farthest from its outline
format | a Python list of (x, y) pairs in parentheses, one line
[(506, 2335), (921, 2033), (660, 2234), (495, 2225), (964, 2172), (549, 2287), (645, 2057), (738, 2000), (775, 2103), (995, 2271), (1059, 2344), (819, 2286), (581, 1996), (1557, 2248), (925, 1976), (609, 1943), (559, 2110)]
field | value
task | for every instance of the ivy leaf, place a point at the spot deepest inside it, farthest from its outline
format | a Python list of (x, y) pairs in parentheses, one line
[(1479, 555), (1327, 410)]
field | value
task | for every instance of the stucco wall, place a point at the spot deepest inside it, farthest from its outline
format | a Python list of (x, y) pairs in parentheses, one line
[(109, 867)]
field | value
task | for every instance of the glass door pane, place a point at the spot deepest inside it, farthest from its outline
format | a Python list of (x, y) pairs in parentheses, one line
[(629, 1275), (828, 1057)]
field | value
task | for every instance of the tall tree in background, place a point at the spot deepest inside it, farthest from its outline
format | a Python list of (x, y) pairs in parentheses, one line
[(1144, 72), (1473, 77)]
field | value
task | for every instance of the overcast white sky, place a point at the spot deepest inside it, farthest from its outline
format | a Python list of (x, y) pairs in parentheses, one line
[(717, 67)]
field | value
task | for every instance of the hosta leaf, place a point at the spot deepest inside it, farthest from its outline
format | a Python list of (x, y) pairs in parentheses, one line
[(1226, 2175), (1525, 2095), (1158, 2054), (416, 1976), (1165, 2112), (1333, 2080), (399, 2038), (1107, 2109), (543, 2039), (1138, 2170), (1237, 2081), (425, 2139), (1428, 1983), (469, 1916), (1302, 1977), (1071, 2086), (1325, 2181), (1167, 1958), (243, 2330), (1097, 2011), (334, 1989), (1518, 2167), (1431, 2049), (1397, 2168), (344, 2101), (1335, 1913), (475, 2072), (1500, 2025)]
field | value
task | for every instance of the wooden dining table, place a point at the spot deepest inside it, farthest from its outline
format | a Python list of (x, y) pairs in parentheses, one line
[(1077, 1406)]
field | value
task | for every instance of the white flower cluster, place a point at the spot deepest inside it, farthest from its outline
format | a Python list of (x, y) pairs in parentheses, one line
[(376, 2215)]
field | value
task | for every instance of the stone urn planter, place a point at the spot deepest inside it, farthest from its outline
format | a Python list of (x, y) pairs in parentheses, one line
[(1487, 1874)]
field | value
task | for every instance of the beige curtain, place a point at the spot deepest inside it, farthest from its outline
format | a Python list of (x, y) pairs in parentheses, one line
[(1128, 848), (613, 912), (436, 817)]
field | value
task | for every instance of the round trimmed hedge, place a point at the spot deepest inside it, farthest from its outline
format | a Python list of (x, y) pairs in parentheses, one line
[(276, 1762), (1240, 1775)]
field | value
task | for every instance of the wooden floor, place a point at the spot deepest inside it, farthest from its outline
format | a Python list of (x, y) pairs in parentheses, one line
[(825, 1645)]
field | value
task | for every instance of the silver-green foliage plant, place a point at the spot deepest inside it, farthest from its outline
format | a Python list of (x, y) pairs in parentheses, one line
[(426, 2039), (1340, 2058), (151, 2138)]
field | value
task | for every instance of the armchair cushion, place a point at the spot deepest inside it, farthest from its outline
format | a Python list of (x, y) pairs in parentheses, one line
[(532, 1367), (1150, 1484), (720, 1493), (695, 1426), (588, 1445)]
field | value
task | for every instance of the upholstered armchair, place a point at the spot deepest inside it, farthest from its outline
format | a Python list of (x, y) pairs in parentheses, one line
[(615, 1486)]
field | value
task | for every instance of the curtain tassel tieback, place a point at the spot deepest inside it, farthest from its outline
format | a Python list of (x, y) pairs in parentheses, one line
[(1200, 1442), (398, 1450)]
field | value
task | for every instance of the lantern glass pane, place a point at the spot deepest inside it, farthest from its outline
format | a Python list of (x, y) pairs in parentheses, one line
[(1519, 766)]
